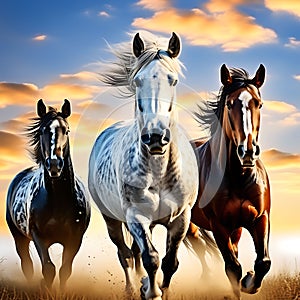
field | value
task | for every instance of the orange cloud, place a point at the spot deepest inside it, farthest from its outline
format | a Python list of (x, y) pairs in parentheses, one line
[(17, 93), (226, 28), (279, 106), (56, 91), (40, 37), (288, 6), (81, 76)]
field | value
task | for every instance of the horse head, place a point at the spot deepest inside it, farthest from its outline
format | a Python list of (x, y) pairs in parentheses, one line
[(241, 118), (54, 140), (155, 83)]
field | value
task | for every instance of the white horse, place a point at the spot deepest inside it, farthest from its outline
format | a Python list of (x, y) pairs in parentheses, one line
[(144, 171)]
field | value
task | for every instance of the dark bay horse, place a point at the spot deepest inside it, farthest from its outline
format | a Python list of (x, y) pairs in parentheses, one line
[(48, 203), (234, 190)]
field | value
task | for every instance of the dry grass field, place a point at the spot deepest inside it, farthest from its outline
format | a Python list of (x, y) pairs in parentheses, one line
[(279, 287)]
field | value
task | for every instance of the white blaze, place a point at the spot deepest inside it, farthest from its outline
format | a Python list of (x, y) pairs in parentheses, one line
[(53, 127), (245, 97)]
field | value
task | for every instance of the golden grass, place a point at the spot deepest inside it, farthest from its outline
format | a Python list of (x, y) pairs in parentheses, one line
[(279, 287)]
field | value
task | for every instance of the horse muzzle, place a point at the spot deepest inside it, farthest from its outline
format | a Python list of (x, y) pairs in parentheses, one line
[(156, 140), (248, 157), (54, 166)]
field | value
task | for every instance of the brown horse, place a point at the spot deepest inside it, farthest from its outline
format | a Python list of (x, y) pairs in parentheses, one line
[(234, 190)]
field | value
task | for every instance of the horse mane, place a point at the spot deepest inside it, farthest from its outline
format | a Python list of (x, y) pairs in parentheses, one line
[(33, 132), (120, 73), (210, 113)]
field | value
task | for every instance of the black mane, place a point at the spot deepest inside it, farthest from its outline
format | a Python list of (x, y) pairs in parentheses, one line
[(34, 131), (210, 112)]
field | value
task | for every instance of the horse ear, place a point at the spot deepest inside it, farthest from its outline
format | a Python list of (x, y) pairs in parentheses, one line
[(174, 45), (259, 77), (41, 108), (138, 45), (226, 78), (66, 109)]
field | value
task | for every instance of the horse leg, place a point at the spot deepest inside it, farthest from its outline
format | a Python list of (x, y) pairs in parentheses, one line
[(260, 234), (138, 226), (176, 233), (235, 238), (48, 268), (137, 257), (22, 247), (65, 271), (125, 255), (233, 268)]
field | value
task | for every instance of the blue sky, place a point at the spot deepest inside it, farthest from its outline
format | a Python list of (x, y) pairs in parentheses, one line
[(50, 49)]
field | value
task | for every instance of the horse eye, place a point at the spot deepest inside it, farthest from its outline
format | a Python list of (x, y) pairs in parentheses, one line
[(229, 104), (137, 81), (172, 81)]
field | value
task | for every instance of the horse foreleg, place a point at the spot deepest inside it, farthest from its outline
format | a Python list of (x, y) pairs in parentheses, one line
[(235, 238), (138, 226), (233, 268), (176, 233), (48, 268), (125, 255), (260, 234), (69, 253), (137, 258)]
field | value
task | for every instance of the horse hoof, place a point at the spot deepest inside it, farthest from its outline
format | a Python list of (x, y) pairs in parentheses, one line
[(248, 285), (149, 295)]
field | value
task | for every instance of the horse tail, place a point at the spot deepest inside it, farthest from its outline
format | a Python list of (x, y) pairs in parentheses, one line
[(201, 241)]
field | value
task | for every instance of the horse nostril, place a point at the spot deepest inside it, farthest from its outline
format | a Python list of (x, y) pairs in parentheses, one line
[(60, 163), (146, 138), (166, 137), (48, 163), (241, 151)]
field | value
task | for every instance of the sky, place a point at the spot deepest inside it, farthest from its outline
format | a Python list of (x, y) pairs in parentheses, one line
[(52, 50)]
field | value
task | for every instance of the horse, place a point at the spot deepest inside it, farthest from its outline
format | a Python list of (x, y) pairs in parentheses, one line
[(143, 172), (234, 189), (48, 203)]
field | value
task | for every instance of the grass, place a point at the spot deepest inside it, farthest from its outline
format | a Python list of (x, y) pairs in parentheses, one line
[(279, 287)]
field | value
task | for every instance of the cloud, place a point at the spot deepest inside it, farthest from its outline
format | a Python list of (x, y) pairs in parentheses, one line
[(279, 107), (280, 160), (288, 6), (281, 113), (17, 93), (40, 37), (293, 43), (205, 27), (81, 76), (24, 94), (56, 91), (297, 77), (103, 14), (13, 153), (154, 5)]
